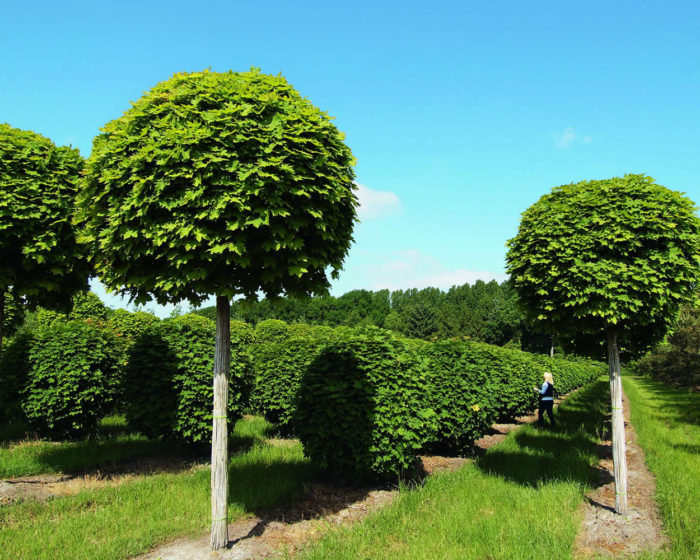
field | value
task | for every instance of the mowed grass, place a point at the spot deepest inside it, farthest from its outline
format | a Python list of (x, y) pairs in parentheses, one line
[(519, 501), (128, 519), (667, 422)]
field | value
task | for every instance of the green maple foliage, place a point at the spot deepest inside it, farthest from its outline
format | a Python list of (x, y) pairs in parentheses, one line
[(39, 256), (219, 183), (621, 252)]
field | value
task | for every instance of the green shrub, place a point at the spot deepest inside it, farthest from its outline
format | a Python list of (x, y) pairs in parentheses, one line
[(14, 371), (271, 330), (87, 305), (458, 394), (279, 368), (73, 379), (130, 326), (241, 332), (169, 380), (361, 412), (300, 331)]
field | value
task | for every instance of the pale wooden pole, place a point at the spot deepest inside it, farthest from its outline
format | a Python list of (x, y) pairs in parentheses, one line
[(219, 440), (2, 315), (618, 423)]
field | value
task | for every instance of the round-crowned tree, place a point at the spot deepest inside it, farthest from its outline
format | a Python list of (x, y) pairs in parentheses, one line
[(614, 259), (40, 260), (219, 183)]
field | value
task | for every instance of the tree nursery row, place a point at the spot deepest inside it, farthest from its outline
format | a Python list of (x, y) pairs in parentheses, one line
[(363, 401)]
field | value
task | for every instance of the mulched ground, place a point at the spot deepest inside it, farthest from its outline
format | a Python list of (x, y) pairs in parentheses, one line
[(605, 533)]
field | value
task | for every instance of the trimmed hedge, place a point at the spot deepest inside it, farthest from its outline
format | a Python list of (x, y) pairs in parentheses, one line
[(129, 326), (473, 385), (169, 380), (279, 368), (14, 372), (72, 379), (271, 330), (361, 412)]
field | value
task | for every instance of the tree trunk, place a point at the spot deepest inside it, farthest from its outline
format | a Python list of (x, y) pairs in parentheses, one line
[(2, 315), (219, 440), (551, 348), (618, 423)]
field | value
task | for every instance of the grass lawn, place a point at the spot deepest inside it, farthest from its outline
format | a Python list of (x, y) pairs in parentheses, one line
[(117, 522), (667, 421), (518, 501)]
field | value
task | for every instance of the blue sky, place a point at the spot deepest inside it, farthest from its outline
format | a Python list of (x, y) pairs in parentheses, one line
[(460, 114)]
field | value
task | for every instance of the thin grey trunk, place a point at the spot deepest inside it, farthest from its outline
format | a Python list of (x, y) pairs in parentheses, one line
[(2, 316), (219, 441), (618, 423), (551, 348)]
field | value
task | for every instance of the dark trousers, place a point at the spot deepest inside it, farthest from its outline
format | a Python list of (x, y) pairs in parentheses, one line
[(545, 406)]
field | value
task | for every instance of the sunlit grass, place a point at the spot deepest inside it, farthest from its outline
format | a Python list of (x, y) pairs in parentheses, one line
[(128, 519), (667, 422), (519, 501)]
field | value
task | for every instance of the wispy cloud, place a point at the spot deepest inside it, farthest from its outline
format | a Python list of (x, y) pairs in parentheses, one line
[(412, 269), (376, 204), (568, 137)]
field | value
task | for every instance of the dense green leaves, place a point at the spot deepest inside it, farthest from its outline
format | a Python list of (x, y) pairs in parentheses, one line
[(39, 256), (361, 412), (73, 379), (168, 379), (219, 183), (622, 252)]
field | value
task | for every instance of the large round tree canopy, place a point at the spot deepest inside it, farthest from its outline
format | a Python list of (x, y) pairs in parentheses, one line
[(619, 252), (219, 183), (39, 256)]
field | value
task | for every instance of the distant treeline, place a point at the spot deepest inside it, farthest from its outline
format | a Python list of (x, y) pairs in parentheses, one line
[(485, 312)]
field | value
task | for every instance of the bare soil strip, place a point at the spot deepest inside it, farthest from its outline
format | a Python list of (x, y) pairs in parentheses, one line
[(45, 486), (605, 533)]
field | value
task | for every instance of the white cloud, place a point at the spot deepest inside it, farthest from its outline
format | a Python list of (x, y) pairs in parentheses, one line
[(569, 137), (566, 138), (376, 204), (411, 269)]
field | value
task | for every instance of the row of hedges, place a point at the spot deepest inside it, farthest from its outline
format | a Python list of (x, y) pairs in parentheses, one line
[(365, 406), (63, 376)]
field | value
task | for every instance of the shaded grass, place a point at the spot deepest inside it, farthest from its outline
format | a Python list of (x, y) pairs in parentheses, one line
[(125, 520), (667, 424), (519, 501), (114, 445)]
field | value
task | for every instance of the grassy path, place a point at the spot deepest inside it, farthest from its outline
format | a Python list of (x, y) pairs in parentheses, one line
[(117, 522), (667, 421), (520, 500)]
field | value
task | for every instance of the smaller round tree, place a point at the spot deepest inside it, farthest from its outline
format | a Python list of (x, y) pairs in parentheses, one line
[(226, 184), (613, 258), (40, 259)]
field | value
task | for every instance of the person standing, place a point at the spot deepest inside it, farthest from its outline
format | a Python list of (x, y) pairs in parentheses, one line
[(546, 393)]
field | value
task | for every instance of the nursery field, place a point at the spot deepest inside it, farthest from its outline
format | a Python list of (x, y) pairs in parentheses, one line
[(519, 500)]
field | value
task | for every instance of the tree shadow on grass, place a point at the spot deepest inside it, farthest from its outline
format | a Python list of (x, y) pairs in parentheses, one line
[(533, 455), (131, 454), (287, 491)]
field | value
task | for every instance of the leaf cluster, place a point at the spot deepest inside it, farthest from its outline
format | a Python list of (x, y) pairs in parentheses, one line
[(227, 183), (361, 412), (168, 380), (40, 257), (621, 252), (72, 380)]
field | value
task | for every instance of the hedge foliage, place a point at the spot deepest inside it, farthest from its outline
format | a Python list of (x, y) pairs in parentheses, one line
[(271, 330), (14, 371), (362, 410), (168, 380), (349, 395), (72, 380), (279, 368)]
